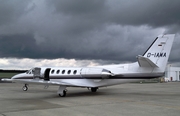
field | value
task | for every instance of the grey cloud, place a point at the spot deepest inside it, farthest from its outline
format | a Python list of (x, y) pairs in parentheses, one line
[(83, 16), (112, 30), (11, 10), (139, 12), (78, 7), (17, 46)]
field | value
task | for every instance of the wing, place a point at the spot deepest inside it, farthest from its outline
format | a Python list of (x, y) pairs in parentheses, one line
[(67, 82)]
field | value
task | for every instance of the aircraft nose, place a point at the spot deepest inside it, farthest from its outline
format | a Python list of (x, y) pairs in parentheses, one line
[(10, 80), (14, 77)]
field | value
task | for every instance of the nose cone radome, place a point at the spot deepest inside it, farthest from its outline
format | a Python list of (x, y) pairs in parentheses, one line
[(14, 77), (17, 76)]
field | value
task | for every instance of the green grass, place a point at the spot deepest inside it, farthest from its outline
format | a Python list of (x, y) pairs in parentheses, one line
[(7, 75)]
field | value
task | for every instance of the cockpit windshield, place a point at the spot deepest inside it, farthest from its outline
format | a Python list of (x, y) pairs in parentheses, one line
[(31, 71)]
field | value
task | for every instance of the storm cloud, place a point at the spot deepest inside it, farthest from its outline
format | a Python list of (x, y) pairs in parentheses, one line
[(109, 30)]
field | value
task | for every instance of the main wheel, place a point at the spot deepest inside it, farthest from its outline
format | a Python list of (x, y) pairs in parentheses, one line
[(94, 89), (64, 94), (25, 88)]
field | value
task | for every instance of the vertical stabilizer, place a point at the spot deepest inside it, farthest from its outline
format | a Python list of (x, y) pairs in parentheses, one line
[(159, 50)]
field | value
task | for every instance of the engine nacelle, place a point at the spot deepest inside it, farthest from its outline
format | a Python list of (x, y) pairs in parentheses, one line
[(95, 73)]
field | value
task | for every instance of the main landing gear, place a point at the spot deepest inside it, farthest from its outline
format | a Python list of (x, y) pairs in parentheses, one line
[(94, 89), (25, 87), (63, 94), (62, 91)]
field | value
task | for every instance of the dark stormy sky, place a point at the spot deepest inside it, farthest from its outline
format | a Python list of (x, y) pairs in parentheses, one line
[(83, 32)]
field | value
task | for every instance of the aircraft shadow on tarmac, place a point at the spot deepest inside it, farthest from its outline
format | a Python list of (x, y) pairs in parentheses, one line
[(34, 93)]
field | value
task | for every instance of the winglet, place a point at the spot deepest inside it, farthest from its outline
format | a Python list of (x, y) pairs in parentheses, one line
[(145, 62)]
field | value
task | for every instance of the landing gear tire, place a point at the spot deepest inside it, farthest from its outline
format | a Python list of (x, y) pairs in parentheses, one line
[(63, 94), (25, 88), (94, 89)]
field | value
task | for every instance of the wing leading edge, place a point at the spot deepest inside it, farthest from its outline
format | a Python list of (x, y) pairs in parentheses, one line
[(70, 83)]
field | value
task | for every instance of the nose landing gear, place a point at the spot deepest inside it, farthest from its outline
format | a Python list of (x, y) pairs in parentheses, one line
[(25, 87)]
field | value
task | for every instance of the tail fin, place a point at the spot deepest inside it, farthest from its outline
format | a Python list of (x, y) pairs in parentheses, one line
[(158, 53)]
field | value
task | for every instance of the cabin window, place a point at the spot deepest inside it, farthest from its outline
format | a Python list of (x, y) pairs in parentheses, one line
[(63, 71), (69, 71), (75, 71), (52, 71), (57, 71)]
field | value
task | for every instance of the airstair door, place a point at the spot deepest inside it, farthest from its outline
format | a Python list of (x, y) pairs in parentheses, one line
[(46, 74)]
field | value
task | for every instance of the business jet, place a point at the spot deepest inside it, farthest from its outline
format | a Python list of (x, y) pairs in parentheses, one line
[(150, 65)]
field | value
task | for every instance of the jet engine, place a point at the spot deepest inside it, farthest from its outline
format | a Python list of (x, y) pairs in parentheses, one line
[(95, 73)]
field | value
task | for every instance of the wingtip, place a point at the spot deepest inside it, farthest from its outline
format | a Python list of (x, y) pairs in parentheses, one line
[(6, 79)]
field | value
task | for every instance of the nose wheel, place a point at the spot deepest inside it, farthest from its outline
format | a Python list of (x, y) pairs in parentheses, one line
[(25, 88)]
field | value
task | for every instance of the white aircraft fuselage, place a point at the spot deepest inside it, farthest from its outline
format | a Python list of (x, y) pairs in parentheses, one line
[(150, 65)]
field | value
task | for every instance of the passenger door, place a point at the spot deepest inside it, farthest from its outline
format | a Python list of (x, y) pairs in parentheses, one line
[(46, 74)]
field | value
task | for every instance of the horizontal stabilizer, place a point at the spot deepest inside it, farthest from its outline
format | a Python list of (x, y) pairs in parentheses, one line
[(145, 62)]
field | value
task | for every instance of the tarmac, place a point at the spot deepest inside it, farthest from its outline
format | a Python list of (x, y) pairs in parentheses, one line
[(134, 99)]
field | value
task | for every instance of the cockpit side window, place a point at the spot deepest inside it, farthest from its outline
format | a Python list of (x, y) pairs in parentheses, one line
[(31, 71), (27, 72)]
